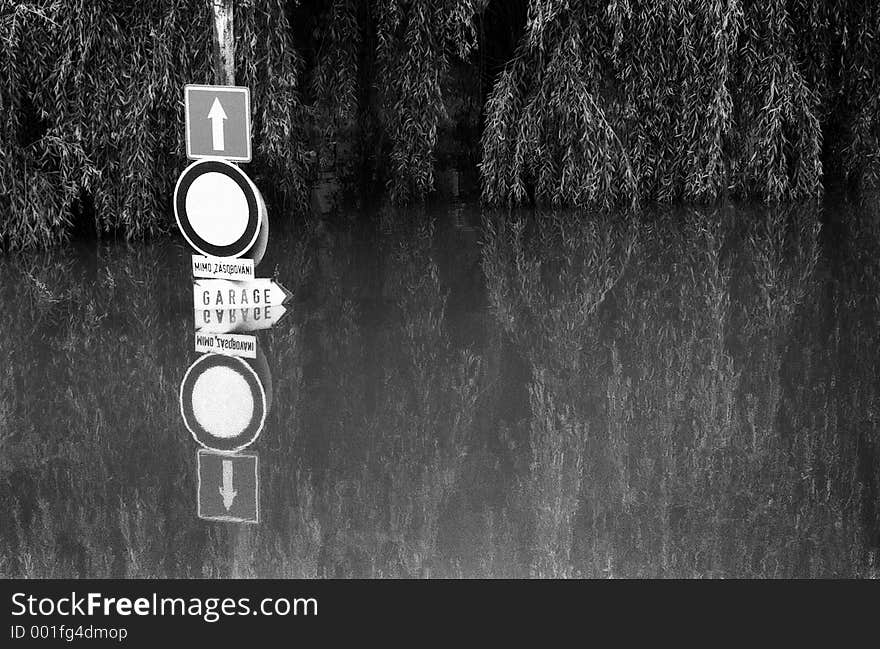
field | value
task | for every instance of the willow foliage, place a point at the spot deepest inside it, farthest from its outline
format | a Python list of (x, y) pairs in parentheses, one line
[(584, 103), (415, 39), (681, 100), (335, 80), (91, 110), (858, 93), (268, 63), (548, 125)]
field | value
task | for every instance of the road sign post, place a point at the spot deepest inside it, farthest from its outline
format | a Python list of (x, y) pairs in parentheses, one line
[(226, 393), (224, 43), (228, 487)]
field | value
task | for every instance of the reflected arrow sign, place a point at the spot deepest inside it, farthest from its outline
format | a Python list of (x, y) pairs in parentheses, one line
[(227, 491), (217, 116), (227, 294), (221, 499)]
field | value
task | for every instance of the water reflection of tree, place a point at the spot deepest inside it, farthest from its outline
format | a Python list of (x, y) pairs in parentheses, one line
[(547, 290), (695, 425), (736, 494), (393, 470), (286, 543), (98, 475), (697, 398), (98, 451)]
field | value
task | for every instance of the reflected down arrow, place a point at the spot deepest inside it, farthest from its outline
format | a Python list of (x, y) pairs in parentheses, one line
[(226, 489), (217, 116)]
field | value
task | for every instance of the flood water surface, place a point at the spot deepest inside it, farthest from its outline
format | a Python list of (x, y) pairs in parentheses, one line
[(693, 393)]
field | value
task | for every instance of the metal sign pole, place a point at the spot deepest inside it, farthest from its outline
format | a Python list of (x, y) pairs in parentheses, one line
[(224, 75), (224, 42)]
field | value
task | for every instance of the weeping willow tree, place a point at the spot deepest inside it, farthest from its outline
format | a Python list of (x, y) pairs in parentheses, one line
[(414, 40), (90, 110), (335, 79), (609, 102), (585, 103), (383, 67), (549, 127), (858, 98)]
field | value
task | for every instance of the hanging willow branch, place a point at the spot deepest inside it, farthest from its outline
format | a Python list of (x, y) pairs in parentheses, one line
[(335, 79), (91, 119), (548, 125), (672, 100), (589, 103), (415, 39)]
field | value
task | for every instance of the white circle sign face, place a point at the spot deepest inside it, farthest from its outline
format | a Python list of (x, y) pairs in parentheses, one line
[(217, 208), (222, 402)]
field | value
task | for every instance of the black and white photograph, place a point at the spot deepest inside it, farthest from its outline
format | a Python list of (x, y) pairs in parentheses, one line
[(452, 290)]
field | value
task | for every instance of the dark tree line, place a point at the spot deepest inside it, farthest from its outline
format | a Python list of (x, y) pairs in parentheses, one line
[(549, 101)]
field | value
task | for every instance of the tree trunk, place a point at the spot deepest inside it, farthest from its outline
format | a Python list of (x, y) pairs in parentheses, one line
[(224, 43)]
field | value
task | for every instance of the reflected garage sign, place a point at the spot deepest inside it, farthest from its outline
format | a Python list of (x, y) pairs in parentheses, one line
[(219, 210), (237, 320), (224, 401)]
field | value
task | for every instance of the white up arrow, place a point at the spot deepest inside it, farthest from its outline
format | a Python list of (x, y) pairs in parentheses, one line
[(217, 116), (226, 489)]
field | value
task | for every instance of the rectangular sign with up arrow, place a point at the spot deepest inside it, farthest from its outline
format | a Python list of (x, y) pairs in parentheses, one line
[(218, 122), (229, 487)]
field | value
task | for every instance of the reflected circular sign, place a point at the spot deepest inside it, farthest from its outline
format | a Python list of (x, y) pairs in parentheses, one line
[(223, 402), (218, 209)]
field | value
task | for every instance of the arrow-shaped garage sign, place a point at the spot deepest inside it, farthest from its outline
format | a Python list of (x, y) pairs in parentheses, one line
[(226, 294)]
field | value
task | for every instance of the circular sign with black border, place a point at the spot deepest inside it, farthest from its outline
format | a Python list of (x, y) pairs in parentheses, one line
[(223, 402), (234, 184)]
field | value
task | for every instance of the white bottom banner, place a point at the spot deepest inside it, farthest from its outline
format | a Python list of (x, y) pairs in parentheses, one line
[(222, 268)]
